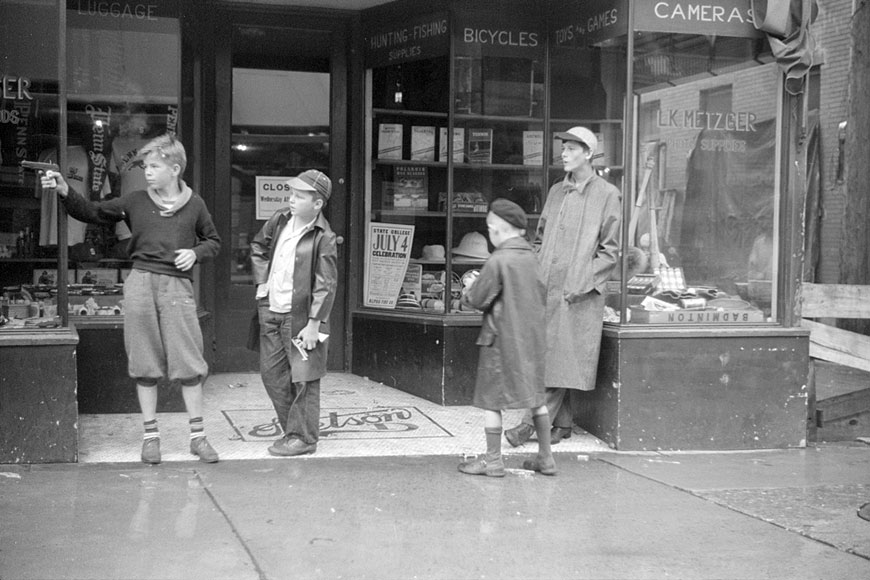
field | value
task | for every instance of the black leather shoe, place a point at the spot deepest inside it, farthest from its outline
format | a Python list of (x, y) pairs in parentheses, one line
[(559, 433), (519, 434)]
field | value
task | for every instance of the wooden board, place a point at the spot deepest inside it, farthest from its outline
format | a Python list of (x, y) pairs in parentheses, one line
[(837, 345), (834, 301)]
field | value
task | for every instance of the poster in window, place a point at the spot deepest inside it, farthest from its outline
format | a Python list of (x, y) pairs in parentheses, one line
[(388, 251)]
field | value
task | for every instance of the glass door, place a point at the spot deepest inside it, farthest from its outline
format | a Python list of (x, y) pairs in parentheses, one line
[(282, 119)]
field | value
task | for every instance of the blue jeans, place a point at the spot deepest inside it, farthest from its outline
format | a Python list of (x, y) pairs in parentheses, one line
[(297, 404)]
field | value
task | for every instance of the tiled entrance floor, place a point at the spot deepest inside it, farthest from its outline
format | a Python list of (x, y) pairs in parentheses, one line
[(358, 418)]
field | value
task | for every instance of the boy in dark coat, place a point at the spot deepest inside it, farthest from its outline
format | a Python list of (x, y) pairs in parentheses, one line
[(294, 261), (510, 372)]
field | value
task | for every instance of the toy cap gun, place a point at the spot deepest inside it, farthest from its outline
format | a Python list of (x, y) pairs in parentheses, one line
[(37, 166)]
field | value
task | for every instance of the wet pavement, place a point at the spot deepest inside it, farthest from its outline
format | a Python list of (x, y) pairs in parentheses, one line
[(782, 514), (788, 514)]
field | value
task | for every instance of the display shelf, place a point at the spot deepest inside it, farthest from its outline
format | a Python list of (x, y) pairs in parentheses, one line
[(407, 113), (467, 146), (409, 162)]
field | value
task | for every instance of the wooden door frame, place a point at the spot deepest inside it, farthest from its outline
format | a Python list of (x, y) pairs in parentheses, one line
[(215, 97)]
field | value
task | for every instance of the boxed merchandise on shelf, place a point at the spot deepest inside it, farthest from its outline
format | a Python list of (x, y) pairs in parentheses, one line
[(97, 276), (409, 190), (423, 143), (412, 284), (480, 146), (458, 144), (45, 276), (390, 141), (533, 147)]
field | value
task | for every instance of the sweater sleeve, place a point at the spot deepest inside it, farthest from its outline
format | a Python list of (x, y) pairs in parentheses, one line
[(105, 212), (208, 242)]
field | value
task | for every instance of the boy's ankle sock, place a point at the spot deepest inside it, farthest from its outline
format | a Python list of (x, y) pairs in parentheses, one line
[(197, 429), (151, 431), (493, 443), (542, 430)]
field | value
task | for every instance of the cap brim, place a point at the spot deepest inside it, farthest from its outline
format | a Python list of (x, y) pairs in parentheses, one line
[(297, 183), (457, 252), (565, 136)]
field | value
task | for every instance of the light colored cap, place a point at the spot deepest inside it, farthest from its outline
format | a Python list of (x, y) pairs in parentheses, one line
[(472, 245), (581, 135), (312, 180)]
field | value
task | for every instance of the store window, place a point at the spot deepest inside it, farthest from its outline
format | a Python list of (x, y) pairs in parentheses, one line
[(121, 89), (703, 219), (30, 37)]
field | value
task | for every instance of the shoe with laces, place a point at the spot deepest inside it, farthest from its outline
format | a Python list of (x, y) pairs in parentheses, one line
[(483, 466), (151, 450), (201, 448)]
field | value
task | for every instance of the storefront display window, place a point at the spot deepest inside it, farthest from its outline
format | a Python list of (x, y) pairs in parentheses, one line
[(446, 135), (702, 235), (30, 101), (121, 90)]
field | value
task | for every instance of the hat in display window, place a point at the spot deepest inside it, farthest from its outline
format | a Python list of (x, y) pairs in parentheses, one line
[(408, 300), (434, 252), (472, 245)]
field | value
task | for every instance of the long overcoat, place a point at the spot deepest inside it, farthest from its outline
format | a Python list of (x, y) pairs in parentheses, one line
[(510, 293), (577, 239), (315, 277)]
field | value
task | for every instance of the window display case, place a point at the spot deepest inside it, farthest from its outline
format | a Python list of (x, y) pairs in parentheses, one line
[(38, 410), (706, 198), (121, 90), (435, 189), (706, 201), (455, 118)]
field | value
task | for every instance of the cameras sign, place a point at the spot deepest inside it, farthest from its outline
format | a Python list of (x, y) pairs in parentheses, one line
[(272, 194)]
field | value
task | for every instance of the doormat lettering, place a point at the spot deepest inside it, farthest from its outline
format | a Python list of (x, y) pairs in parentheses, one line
[(256, 425)]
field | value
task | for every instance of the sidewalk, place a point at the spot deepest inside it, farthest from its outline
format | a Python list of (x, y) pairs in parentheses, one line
[(360, 418), (388, 503)]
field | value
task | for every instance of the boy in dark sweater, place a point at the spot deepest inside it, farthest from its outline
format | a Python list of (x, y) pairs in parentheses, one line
[(171, 230)]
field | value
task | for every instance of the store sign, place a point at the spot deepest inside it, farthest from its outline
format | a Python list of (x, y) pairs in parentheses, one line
[(590, 22), (485, 35), (595, 21), (16, 88), (719, 17), (271, 194), (126, 10), (414, 39)]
